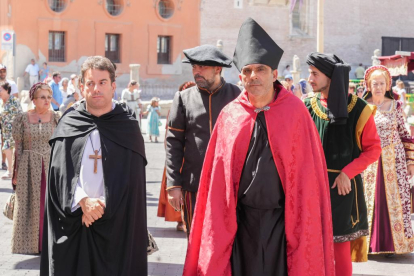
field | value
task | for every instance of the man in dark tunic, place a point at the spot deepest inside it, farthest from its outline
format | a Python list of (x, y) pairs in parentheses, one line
[(350, 141), (192, 118), (263, 205), (95, 201)]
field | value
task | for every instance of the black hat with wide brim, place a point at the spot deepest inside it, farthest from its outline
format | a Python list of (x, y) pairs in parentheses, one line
[(255, 46), (207, 55)]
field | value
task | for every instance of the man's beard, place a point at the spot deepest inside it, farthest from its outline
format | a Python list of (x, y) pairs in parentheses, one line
[(323, 88), (203, 82), (2, 79)]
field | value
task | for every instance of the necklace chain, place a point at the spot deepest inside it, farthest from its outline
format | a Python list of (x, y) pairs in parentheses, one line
[(380, 105), (92, 145), (38, 115)]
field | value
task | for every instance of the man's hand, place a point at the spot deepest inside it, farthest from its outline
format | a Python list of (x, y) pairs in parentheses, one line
[(92, 208), (410, 171), (175, 198), (343, 183)]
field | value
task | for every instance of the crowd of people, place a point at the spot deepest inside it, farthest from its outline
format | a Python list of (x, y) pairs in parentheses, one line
[(268, 177)]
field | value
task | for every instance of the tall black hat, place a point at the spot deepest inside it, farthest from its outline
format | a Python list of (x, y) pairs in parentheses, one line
[(255, 46)]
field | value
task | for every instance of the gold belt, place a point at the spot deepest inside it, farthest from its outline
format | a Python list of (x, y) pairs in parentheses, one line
[(334, 171)]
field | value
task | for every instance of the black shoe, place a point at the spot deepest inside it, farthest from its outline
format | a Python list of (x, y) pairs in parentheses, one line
[(390, 255), (4, 166)]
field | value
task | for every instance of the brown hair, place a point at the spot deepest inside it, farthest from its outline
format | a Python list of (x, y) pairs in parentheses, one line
[(100, 63), (55, 74), (6, 86), (378, 72), (132, 83)]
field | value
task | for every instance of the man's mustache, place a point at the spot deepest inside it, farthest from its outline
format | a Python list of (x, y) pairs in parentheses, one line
[(198, 76)]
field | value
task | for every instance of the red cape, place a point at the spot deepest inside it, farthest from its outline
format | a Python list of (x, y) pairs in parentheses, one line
[(300, 161)]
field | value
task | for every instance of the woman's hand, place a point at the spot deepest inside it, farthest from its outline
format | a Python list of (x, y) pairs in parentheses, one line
[(410, 171)]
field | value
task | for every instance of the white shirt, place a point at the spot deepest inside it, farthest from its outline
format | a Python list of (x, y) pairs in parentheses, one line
[(13, 86), (131, 99), (64, 94), (33, 70), (90, 184), (72, 89)]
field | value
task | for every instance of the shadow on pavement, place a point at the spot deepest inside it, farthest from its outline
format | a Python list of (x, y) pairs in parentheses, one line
[(167, 265), (396, 259), (33, 264), (6, 190), (152, 199), (158, 232)]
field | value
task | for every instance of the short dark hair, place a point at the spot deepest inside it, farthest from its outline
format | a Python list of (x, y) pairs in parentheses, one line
[(100, 63), (55, 74), (45, 63), (6, 86)]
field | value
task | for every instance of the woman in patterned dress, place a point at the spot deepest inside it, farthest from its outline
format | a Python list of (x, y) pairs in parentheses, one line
[(387, 189), (11, 108), (32, 131)]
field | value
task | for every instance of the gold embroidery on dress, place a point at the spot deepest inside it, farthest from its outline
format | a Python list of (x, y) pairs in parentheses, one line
[(323, 115), (409, 154), (408, 145)]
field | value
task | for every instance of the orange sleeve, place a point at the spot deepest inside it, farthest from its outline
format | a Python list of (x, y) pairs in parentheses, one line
[(371, 150)]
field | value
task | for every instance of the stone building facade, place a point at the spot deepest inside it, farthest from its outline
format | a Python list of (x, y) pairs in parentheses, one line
[(353, 29)]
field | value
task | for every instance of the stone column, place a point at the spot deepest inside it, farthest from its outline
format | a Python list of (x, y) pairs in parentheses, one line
[(20, 84), (134, 72), (296, 69), (220, 45), (320, 26)]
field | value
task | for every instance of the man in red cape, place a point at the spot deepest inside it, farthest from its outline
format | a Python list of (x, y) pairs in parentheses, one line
[(263, 206)]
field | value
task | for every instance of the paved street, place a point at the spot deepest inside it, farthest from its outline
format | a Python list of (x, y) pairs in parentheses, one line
[(169, 260)]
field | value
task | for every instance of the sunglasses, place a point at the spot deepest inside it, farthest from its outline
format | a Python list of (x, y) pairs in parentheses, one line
[(44, 97)]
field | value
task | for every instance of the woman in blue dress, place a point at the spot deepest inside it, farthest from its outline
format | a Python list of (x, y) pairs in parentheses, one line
[(153, 119)]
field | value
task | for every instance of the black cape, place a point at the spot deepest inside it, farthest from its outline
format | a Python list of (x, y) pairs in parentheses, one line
[(259, 247), (117, 243)]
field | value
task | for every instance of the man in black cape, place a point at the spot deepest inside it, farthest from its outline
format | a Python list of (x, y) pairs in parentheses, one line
[(95, 201)]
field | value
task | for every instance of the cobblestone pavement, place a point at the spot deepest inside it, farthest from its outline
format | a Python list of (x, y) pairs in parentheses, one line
[(169, 259)]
